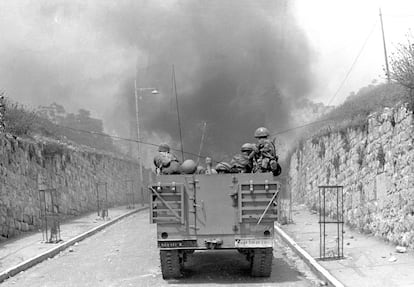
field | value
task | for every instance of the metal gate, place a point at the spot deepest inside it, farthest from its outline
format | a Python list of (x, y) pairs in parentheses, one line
[(331, 222)]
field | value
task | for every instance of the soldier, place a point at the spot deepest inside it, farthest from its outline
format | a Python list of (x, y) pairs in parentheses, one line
[(265, 154), (223, 167), (209, 166), (165, 162), (200, 170), (243, 163)]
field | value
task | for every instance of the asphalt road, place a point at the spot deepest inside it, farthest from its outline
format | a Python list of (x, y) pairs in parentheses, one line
[(125, 254)]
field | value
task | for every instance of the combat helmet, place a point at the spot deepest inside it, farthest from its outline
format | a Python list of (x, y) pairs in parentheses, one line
[(188, 167), (247, 147), (223, 167), (163, 148), (261, 132)]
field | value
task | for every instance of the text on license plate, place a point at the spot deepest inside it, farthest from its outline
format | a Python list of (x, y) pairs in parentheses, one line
[(253, 243)]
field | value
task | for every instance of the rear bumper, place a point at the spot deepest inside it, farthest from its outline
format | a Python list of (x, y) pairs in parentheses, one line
[(218, 242)]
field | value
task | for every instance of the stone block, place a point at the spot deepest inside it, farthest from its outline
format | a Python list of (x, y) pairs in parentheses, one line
[(10, 232), (401, 114), (3, 230), (371, 190), (383, 188), (27, 219), (17, 225), (24, 227)]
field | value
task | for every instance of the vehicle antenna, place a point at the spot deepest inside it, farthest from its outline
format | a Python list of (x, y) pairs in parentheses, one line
[(202, 141), (178, 112)]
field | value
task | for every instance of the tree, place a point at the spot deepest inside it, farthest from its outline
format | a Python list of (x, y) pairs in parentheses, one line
[(402, 66)]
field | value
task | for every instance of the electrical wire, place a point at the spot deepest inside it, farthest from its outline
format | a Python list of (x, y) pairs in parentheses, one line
[(353, 63), (124, 139), (273, 134), (339, 88), (302, 126)]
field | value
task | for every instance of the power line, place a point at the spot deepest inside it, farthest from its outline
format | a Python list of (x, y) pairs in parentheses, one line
[(185, 152), (339, 88), (353, 63), (302, 126), (398, 15), (179, 150), (124, 139), (273, 134)]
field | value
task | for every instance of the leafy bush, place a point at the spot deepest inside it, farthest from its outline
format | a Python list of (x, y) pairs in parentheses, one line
[(369, 99), (402, 67), (80, 128), (354, 111), (18, 120)]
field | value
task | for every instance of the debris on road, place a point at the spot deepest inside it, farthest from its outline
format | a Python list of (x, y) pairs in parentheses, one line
[(392, 259), (401, 249)]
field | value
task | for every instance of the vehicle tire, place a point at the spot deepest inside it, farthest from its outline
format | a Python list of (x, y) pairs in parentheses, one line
[(170, 264), (261, 262)]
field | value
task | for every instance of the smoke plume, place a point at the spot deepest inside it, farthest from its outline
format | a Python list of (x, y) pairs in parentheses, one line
[(238, 65)]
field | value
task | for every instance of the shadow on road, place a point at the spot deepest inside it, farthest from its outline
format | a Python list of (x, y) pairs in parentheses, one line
[(229, 266)]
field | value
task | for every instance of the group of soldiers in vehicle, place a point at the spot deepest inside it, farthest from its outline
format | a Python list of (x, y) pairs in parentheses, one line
[(258, 157)]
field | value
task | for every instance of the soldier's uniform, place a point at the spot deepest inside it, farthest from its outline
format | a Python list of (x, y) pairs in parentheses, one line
[(209, 167), (165, 162), (265, 153), (267, 157), (223, 167), (243, 163)]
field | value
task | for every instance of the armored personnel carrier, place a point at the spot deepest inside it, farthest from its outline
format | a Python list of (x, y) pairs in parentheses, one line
[(210, 212)]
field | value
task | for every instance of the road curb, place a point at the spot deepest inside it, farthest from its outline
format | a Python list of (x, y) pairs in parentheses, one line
[(54, 251), (320, 271)]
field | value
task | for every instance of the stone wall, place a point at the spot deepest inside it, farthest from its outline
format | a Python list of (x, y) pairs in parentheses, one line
[(27, 166), (375, 165)]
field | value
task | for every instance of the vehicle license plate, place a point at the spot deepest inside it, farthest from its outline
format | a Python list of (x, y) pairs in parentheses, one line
[(177, 244), (250, 242), (170, 244)]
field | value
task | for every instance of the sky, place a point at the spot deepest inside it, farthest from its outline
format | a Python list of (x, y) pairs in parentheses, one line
[(344, 32), (238, 64)]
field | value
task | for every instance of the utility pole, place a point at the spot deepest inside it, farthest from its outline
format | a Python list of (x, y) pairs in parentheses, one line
[(139, 142), (385, 48)]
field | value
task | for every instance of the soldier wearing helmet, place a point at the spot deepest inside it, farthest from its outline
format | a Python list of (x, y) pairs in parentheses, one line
[(209, 166), (165, 162), (164, 147), (223, 167), (265, 154), (243, 163)]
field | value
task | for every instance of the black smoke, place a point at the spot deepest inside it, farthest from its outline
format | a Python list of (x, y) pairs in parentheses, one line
[(238, 65)]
